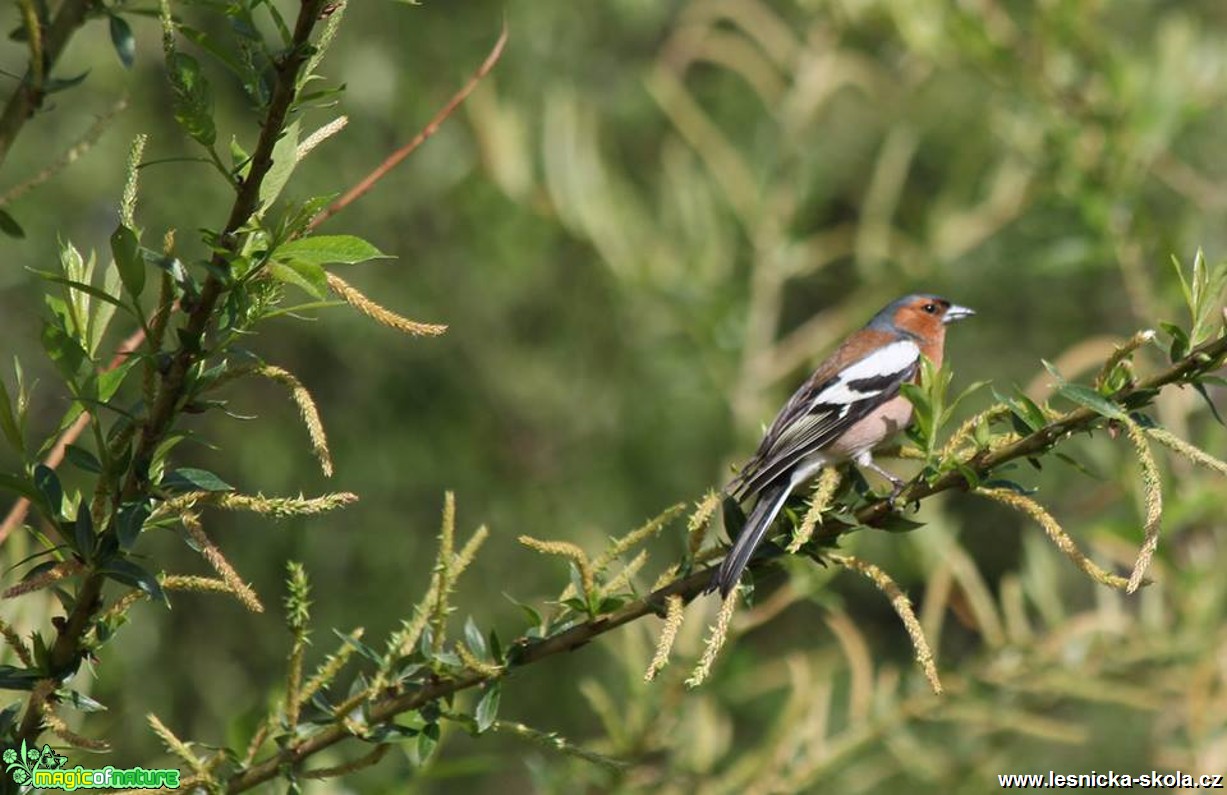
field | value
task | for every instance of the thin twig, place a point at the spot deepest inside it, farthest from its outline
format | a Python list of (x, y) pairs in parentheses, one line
[(30, 92), (392, 160), (17, 513), (83, 145)]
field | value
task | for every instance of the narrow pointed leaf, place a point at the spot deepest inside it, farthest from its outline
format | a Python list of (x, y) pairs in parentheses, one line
[(487, 708), (123, 40), (329, 250), (189, 479), (126, 250)]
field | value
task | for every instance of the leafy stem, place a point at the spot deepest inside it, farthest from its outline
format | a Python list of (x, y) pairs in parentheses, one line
[(68, 650), (46, 45)]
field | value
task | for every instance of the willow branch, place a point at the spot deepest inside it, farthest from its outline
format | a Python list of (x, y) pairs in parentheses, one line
[(67, 649), (527, 651), (31, 92), (1202, 360)]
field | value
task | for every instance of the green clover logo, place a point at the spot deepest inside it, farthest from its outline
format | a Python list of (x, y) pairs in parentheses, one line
[(22, 763)]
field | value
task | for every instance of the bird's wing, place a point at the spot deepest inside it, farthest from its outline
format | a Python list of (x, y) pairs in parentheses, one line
[(824, 408)]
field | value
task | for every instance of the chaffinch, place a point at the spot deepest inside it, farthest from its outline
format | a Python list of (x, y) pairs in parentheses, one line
[(849, 406)]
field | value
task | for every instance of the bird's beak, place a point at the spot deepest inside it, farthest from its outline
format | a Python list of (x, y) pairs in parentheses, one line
[(956, 312)]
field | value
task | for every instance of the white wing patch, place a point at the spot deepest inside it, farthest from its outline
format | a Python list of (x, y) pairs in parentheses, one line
[(884, 362)]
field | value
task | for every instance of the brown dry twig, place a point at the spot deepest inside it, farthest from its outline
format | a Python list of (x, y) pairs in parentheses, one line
[(391, 161)]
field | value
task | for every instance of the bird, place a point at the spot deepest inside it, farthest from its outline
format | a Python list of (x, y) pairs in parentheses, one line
[(849, 406)]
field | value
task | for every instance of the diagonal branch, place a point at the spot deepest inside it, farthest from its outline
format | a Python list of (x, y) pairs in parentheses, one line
[(392, 160), (526, 651), (1201, 360), (30, 93)]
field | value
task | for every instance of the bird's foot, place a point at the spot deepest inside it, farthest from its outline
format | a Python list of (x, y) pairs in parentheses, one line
[(892, 499)]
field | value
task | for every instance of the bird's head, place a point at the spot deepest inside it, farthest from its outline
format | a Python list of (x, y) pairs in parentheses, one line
[(920, 315)]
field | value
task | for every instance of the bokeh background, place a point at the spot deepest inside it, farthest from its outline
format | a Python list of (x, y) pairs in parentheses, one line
[(643, 229)]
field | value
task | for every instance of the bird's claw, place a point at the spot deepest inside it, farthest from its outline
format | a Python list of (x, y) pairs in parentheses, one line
[(892, 499)]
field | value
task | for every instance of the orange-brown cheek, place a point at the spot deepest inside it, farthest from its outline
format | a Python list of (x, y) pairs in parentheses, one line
[(933, 345)]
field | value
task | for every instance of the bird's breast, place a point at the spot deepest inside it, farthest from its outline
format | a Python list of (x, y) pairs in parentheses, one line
[(866, 434)]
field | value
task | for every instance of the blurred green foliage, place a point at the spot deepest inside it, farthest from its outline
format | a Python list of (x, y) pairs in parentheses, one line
[(641, 230)]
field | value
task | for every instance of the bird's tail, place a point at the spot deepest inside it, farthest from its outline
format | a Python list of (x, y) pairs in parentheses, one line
[(765, 510)]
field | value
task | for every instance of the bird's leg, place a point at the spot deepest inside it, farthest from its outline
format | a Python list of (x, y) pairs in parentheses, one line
[(865, 461)]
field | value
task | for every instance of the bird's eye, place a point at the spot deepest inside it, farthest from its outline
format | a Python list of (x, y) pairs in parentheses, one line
[(930, 308)]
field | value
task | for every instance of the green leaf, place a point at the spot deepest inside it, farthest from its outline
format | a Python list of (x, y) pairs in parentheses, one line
[(390, 733), (123, 40), (108, 383), (12, 678), (9, 225), (8, 420), (608, 604), (83, 531), (970, 475), (895, 523), (81, 287), (1180, 340), (20, 486), (307, 276), (1139, 398), (1201, 390), (487, 707), (80, 701), (360, 647), (239, 157), (1210, 300), (64, 350), (1032, 413), (496, 647), (131, 520), (82, 459), (577, 579), (917, 397), (193, 98), (112, 285), (530, 612), (48, 485), (981, 433), (329, 249), (285, 158), (446, 659), (127, 252), (474, 638), (428, 740), (1026, 416), (1089, 398), (189, 479), (60, 84), (128, 573), (576, 603), (221, 54)]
